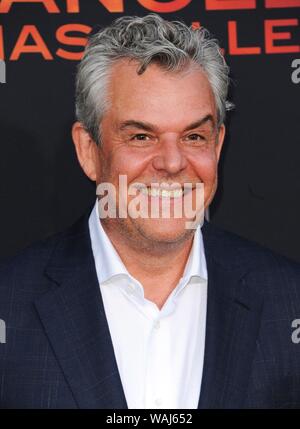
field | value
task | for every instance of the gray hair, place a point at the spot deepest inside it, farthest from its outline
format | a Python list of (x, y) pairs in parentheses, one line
[(149, 39)]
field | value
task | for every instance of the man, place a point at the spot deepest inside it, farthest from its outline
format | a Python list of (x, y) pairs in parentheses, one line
[(124, 310)]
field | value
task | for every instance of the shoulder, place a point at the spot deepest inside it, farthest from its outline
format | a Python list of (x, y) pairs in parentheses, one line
[(233, 250), (23, 277), (26, 267), (270, 274)]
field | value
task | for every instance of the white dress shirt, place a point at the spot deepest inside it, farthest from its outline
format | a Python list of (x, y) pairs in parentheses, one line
[(159, 353)]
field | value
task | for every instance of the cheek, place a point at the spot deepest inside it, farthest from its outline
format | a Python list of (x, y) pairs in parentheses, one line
[(205, 167), (127, 163)]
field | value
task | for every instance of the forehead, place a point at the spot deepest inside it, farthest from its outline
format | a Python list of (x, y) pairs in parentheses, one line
[(158, 95)]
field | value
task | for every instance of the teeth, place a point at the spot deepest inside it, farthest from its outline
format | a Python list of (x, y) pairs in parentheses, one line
[(164, 193)]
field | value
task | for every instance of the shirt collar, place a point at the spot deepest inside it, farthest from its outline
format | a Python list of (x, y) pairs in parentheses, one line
[(108, 262), (196, 263)]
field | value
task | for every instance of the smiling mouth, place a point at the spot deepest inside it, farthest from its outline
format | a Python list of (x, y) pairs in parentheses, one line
[(161, 192)]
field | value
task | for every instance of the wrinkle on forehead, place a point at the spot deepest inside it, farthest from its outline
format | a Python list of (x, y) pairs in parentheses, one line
[(158, 93)]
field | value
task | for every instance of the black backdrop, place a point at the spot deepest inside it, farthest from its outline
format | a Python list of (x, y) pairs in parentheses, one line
[(42, 188)]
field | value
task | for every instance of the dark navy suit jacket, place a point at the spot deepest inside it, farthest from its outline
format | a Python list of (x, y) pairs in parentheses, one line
[(59, 354)]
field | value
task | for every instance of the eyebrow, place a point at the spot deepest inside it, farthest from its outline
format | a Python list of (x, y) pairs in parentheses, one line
[(146, 126)]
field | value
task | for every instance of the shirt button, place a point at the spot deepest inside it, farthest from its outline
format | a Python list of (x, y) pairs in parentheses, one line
[(157, 324)]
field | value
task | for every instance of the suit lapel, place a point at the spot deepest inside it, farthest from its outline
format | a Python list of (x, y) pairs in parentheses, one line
[(233, 319), (74, 320)]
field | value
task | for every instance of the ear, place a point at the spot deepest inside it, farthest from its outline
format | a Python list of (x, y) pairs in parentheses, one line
[(220, 140), (86, 150)]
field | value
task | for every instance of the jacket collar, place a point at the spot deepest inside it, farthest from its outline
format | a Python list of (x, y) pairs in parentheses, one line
[(74, 320), (233, 318)]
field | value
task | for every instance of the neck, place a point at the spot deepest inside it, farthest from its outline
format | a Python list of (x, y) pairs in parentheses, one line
[(157, 267)]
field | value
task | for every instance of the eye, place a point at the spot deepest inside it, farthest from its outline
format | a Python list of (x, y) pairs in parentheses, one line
[(195, 138), (140, 137)]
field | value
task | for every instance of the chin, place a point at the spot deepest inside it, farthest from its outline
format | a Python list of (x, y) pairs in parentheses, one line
[(164, 230)]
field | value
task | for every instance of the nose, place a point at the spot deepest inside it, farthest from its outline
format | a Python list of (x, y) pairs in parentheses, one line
[(170, 156)]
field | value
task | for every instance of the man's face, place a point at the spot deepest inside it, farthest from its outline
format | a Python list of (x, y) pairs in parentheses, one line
[(160, 127)]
